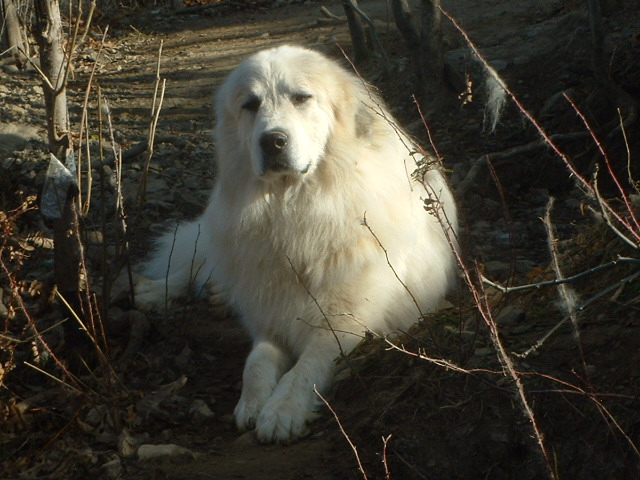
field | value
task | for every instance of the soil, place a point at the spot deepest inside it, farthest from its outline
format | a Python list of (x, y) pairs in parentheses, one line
[(164, 411)]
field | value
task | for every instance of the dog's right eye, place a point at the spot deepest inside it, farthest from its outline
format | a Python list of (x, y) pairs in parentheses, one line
[(252, 104)]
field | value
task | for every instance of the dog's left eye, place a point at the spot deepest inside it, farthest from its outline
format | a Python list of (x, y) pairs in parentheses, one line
[(300, 98), (252, 104)]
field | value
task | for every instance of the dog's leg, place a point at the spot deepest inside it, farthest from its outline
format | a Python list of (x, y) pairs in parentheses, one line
[(264, 367), (284, 416)]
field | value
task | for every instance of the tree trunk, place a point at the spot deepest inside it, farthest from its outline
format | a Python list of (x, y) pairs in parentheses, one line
[(432, 56), (356, 30), (16, 36), (47, 29), (403, 17), (424, 44)]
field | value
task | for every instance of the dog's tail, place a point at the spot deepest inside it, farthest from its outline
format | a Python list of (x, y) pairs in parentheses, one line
[(178, 266)]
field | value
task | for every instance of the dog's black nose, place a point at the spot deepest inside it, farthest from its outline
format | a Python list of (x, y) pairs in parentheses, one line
[(273, 143)]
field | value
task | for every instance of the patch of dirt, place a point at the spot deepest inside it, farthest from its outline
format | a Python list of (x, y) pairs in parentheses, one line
[(440, 422)]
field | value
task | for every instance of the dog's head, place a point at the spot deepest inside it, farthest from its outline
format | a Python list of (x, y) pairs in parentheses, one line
[(279, 109)]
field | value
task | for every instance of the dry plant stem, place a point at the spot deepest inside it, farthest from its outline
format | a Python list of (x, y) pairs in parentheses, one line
[(607, 217), (408, 464), (596, 398), (623, 129), (387, 472), (482, 303), (567, 294), (83, 123), (87, 26), (84, 328), (32, 325), (106, 284), (634, 231), (156, 106), (344, 433), (193, 273), (422, 355), (54, 378), (330, 15), (122, 244), (73, 43), (426, 127), (559, 281), (166, 277)]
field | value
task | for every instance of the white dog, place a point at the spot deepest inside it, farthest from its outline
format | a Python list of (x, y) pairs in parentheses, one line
[(315, 232)]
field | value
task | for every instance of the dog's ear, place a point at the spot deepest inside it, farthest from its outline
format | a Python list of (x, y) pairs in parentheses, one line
[(352, 106), (364, 120)]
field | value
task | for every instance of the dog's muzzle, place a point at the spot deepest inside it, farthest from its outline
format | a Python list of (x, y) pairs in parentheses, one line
[(274, 146)]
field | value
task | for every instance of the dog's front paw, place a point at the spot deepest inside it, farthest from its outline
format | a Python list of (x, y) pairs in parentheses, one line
[(284, 417), (246, 411)]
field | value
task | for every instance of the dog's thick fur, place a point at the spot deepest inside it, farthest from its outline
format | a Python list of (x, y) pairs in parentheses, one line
[(314, 237)]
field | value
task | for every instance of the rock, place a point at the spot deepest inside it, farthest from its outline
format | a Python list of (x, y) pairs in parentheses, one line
[(16, 136), (126, 444), (167, 451), (99, 415), (524, 265), (483, 352), (498, 269), (184, 357), (520, 329), (200, 412), (112, 469), (15, 113), (246, 439), (36, 90), (499, 65), (510, 315)]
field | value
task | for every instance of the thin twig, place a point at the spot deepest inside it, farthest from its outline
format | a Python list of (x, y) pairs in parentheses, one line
[(344, 433), (387, 472), (87, 26), (559, 281), (54, 378), (567, 295), (625, 198), (83, 121), (386, 256), (579, 308), (156, 106)]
